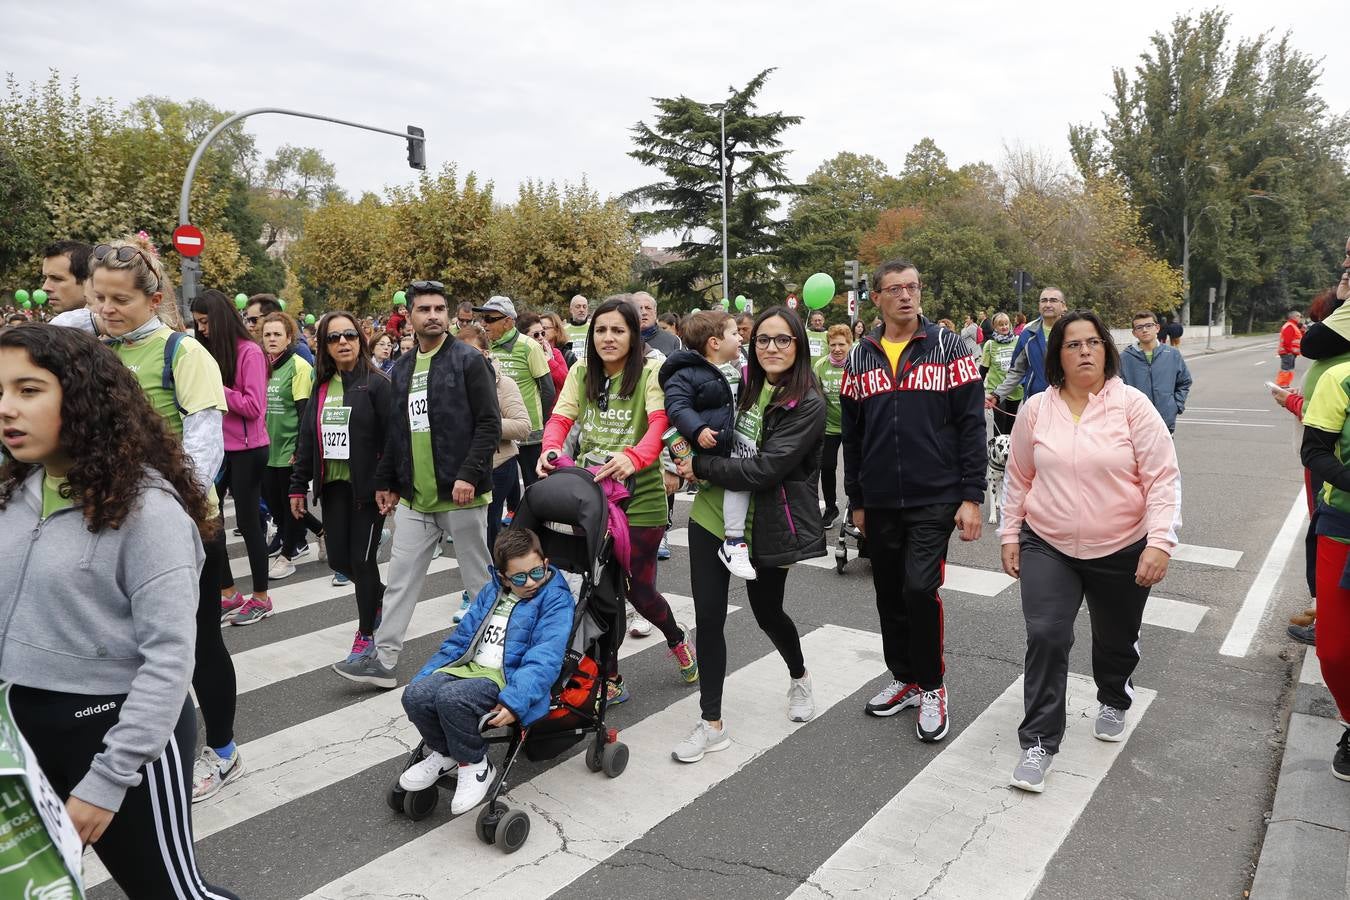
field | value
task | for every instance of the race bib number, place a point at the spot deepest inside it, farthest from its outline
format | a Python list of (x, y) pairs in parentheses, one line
[(418, 420), (336, 438), (489, 654), (595, 458)]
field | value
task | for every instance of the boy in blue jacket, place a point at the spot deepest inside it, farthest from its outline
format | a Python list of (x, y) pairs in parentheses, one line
[(502, 659), (702, 407)]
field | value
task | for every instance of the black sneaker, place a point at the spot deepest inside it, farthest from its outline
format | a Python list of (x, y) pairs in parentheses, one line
[(1340, 763), (831, 513), (1304, 634), (274, 548)]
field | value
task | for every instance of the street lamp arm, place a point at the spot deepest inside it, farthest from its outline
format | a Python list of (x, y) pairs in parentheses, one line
[(230, 120)]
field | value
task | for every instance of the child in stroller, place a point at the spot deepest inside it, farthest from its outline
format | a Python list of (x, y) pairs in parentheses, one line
[(562, 527), (495, 669)]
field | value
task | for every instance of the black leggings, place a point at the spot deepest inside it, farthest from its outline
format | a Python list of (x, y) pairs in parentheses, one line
[(244, 474), (710, 580), (276, 491), (829, 466), (352, 531), (213, 678), (147, 848)]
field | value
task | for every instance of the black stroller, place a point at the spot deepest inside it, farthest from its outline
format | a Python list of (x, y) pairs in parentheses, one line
[(848, 532), (569, 513)]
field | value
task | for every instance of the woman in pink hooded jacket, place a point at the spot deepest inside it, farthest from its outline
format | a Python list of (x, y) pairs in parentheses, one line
[(244, 370), (1092, 503)]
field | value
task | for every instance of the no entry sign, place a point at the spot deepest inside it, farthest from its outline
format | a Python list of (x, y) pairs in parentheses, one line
[(188, 240)]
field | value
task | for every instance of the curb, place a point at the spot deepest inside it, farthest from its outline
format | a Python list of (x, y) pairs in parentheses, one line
[(1306, 851)]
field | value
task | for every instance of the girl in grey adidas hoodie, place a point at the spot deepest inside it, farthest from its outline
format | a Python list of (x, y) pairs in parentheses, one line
[(98, 596)]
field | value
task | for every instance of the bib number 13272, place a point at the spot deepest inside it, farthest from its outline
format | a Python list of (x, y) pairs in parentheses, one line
[(336, 437)]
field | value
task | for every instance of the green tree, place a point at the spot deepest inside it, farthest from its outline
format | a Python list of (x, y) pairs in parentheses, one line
[(23, 226), (684, 144), (840, 202), (442, 230), (1230, 157), (555, 243), (341, 260)]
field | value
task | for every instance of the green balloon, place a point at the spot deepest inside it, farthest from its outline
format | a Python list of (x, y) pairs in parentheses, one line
[(400, 298), (240, 300), (818, 291), (26, 304), (39, 297), (20, 296), (725, 301), (740, 302), (282, 304), (309, 319)]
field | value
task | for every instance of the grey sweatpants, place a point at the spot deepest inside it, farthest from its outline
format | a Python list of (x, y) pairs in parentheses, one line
[(416, 535), (1054, 586)]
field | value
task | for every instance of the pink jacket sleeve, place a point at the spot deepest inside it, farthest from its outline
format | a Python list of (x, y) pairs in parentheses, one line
[(648, 448), (555, 432), (1159, 475), (248, 397), (1020, 471)]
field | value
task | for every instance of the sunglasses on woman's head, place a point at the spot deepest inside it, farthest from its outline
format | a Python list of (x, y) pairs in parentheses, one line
[(535, 574), (351, 334)]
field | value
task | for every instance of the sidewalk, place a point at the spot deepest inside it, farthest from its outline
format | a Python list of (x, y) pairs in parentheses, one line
[(1306, 852), (1193, 341)]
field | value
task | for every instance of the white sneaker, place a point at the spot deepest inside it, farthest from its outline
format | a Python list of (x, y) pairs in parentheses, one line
[(436, 553), (736, 557), (473, 784), (638, 627), (323, 549), (702, 740), (422, 775), (210, 773), (281, 568), (801, 702)]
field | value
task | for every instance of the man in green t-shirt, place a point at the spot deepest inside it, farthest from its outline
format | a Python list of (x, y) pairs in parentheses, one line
[(435, 475), (578, 312), (521, 359)]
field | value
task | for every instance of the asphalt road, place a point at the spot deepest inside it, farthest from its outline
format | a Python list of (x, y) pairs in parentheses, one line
[(845, 804)]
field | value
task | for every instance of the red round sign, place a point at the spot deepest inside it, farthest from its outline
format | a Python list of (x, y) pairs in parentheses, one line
[(188, 240)]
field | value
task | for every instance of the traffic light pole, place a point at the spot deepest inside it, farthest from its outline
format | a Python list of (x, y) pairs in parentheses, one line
[(191, 266)]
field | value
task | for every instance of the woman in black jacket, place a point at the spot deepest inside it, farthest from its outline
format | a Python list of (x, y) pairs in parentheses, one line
[(780, 425), (340, 444)]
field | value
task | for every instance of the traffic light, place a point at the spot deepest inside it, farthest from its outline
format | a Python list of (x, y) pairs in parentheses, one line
[(417, 148), (864, 292), (851, 275)]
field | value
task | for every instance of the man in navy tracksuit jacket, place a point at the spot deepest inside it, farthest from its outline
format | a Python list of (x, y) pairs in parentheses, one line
[(1028, 359), (914, 469)]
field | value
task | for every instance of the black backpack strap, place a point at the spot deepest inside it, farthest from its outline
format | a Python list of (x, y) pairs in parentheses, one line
[(166, 377)]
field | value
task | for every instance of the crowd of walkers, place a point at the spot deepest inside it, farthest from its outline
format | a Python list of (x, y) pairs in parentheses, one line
[(425, 428)]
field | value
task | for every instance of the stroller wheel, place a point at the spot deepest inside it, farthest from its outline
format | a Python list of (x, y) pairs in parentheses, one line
[(395, 797), (593, 760), (839, 563), (419, 804), (485, 826), (614, 759), (512, 830)]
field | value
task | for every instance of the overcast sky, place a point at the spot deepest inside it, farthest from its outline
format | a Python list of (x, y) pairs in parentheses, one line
[(549, 90)]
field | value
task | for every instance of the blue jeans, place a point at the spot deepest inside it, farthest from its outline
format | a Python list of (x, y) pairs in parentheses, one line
[(445, 709)]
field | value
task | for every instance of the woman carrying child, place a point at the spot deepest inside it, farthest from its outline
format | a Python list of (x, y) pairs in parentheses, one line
[(781, 414), (502, 659), (614, 396)]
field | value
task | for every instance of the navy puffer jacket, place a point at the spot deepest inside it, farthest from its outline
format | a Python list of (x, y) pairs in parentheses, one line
[(697, 397)]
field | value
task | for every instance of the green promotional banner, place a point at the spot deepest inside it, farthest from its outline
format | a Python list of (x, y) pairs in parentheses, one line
[(39, 849)]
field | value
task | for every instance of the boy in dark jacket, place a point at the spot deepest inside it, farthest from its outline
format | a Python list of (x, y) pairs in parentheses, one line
[(502, 660), (702, 407)]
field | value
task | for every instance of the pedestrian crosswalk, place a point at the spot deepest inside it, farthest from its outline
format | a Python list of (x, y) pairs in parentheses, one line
[(967, 833)]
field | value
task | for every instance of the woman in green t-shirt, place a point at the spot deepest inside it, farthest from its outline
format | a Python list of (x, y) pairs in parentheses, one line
[(996, 358), (288, 390), (779, 426), (621, 413), (830, 370), (129, 295)]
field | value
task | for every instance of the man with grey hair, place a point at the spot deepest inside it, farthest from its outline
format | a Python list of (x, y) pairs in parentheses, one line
[(578, 315), (521, 359), (1028, 358), (653, 335)]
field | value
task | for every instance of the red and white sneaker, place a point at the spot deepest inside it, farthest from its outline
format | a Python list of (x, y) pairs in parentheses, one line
[(892, 698), (932, 724)]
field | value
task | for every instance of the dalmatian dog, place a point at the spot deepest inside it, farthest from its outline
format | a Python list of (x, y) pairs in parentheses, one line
[(999, 445)]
